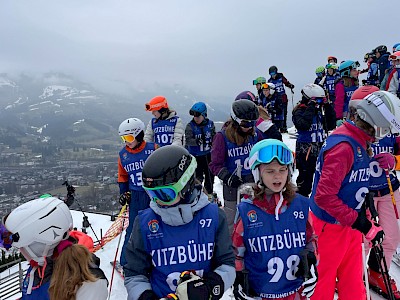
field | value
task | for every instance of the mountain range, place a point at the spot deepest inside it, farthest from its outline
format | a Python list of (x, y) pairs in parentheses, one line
[(57, 107)]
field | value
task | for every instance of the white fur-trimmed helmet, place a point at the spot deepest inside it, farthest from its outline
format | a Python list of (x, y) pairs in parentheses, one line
[(131, 126), (38, 226)]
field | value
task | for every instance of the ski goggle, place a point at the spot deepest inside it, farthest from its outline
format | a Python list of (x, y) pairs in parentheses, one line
[(247, 124), (272, 73), (194, 113), (269, 153), (394, 57), (266, 86), (331, 66), (167, 194), (258, 82), (320, 74), (128, 138)]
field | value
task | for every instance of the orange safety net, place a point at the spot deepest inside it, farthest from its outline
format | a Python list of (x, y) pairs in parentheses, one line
[(115, 229)]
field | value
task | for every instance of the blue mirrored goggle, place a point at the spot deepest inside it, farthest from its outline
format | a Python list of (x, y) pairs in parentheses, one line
[(164, 194), (269, 153)]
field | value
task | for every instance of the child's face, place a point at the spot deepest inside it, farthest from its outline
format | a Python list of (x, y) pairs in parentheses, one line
[(330, 71), (198, 119), (274, 175), (132, 144), (156, 114), (266, 92)]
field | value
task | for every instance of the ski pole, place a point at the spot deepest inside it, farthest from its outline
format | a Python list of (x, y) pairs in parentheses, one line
[(365, 269), (116, 252), (380, 256), (392, 194), (71, 194)]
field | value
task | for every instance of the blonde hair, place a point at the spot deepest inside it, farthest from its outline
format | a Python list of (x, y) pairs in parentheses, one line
[(263, 113), (71, 269)]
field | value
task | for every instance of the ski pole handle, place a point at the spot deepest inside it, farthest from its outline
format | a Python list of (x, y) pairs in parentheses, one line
[(392, 194)]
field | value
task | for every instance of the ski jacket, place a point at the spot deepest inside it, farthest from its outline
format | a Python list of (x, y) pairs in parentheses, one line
[(268, 208), (378, 180), (268, 129), (279, 81), (199, 137), (373, 74), (393, 83), (383, 64), (273, 104), (311, 124), (220, 157), (142, 261), (267, 242), (130, 166), (338, 162), (165, 132), (342, 97)]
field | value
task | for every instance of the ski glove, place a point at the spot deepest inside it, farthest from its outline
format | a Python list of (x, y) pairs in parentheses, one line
[(240, 294), (339, 122), (310, 283), (386, 160), (125, 198), (231, 180), (372, 231), (307, 269), (192, 287), (170, 296)]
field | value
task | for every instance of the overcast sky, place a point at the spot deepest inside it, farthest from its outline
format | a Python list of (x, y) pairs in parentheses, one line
[(213, 47)]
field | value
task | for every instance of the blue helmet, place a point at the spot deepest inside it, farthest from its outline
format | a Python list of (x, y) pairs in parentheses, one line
[(199, 107), (395, 46), (346, 66)]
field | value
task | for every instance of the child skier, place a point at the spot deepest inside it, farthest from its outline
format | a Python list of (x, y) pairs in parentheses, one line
[(330, 80), (166, 127), (280, 264), (181, 231), (279, 80), (344, 88), (266, 127), (386, 157), (199, 135), (320, 72), (273, 103), (258, 82), (130, 165), (231, 148), (340, 183), (313, 117), (41, 229)]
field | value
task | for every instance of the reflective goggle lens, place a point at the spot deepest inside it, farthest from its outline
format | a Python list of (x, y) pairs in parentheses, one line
[(393, 57), (268, 154), (129, 138), (247, 124), (265, 86), (163, 194), (194, 113)]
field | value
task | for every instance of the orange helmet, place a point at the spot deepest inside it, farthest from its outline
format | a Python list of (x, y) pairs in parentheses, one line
[(156, 103), (332, 58)]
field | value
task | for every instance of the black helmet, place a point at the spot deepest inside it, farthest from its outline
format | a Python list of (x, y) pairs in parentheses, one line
[(382, 49), (244, 110), (272, 69), (167, 172)]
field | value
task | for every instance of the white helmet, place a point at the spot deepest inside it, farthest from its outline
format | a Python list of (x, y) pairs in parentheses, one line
[(131, 126), (381, 110), (38, 226), (312, 90)]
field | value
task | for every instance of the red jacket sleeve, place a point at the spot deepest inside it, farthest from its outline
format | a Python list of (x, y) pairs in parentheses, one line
[(123, 176), (339, 100), (338, 162)]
